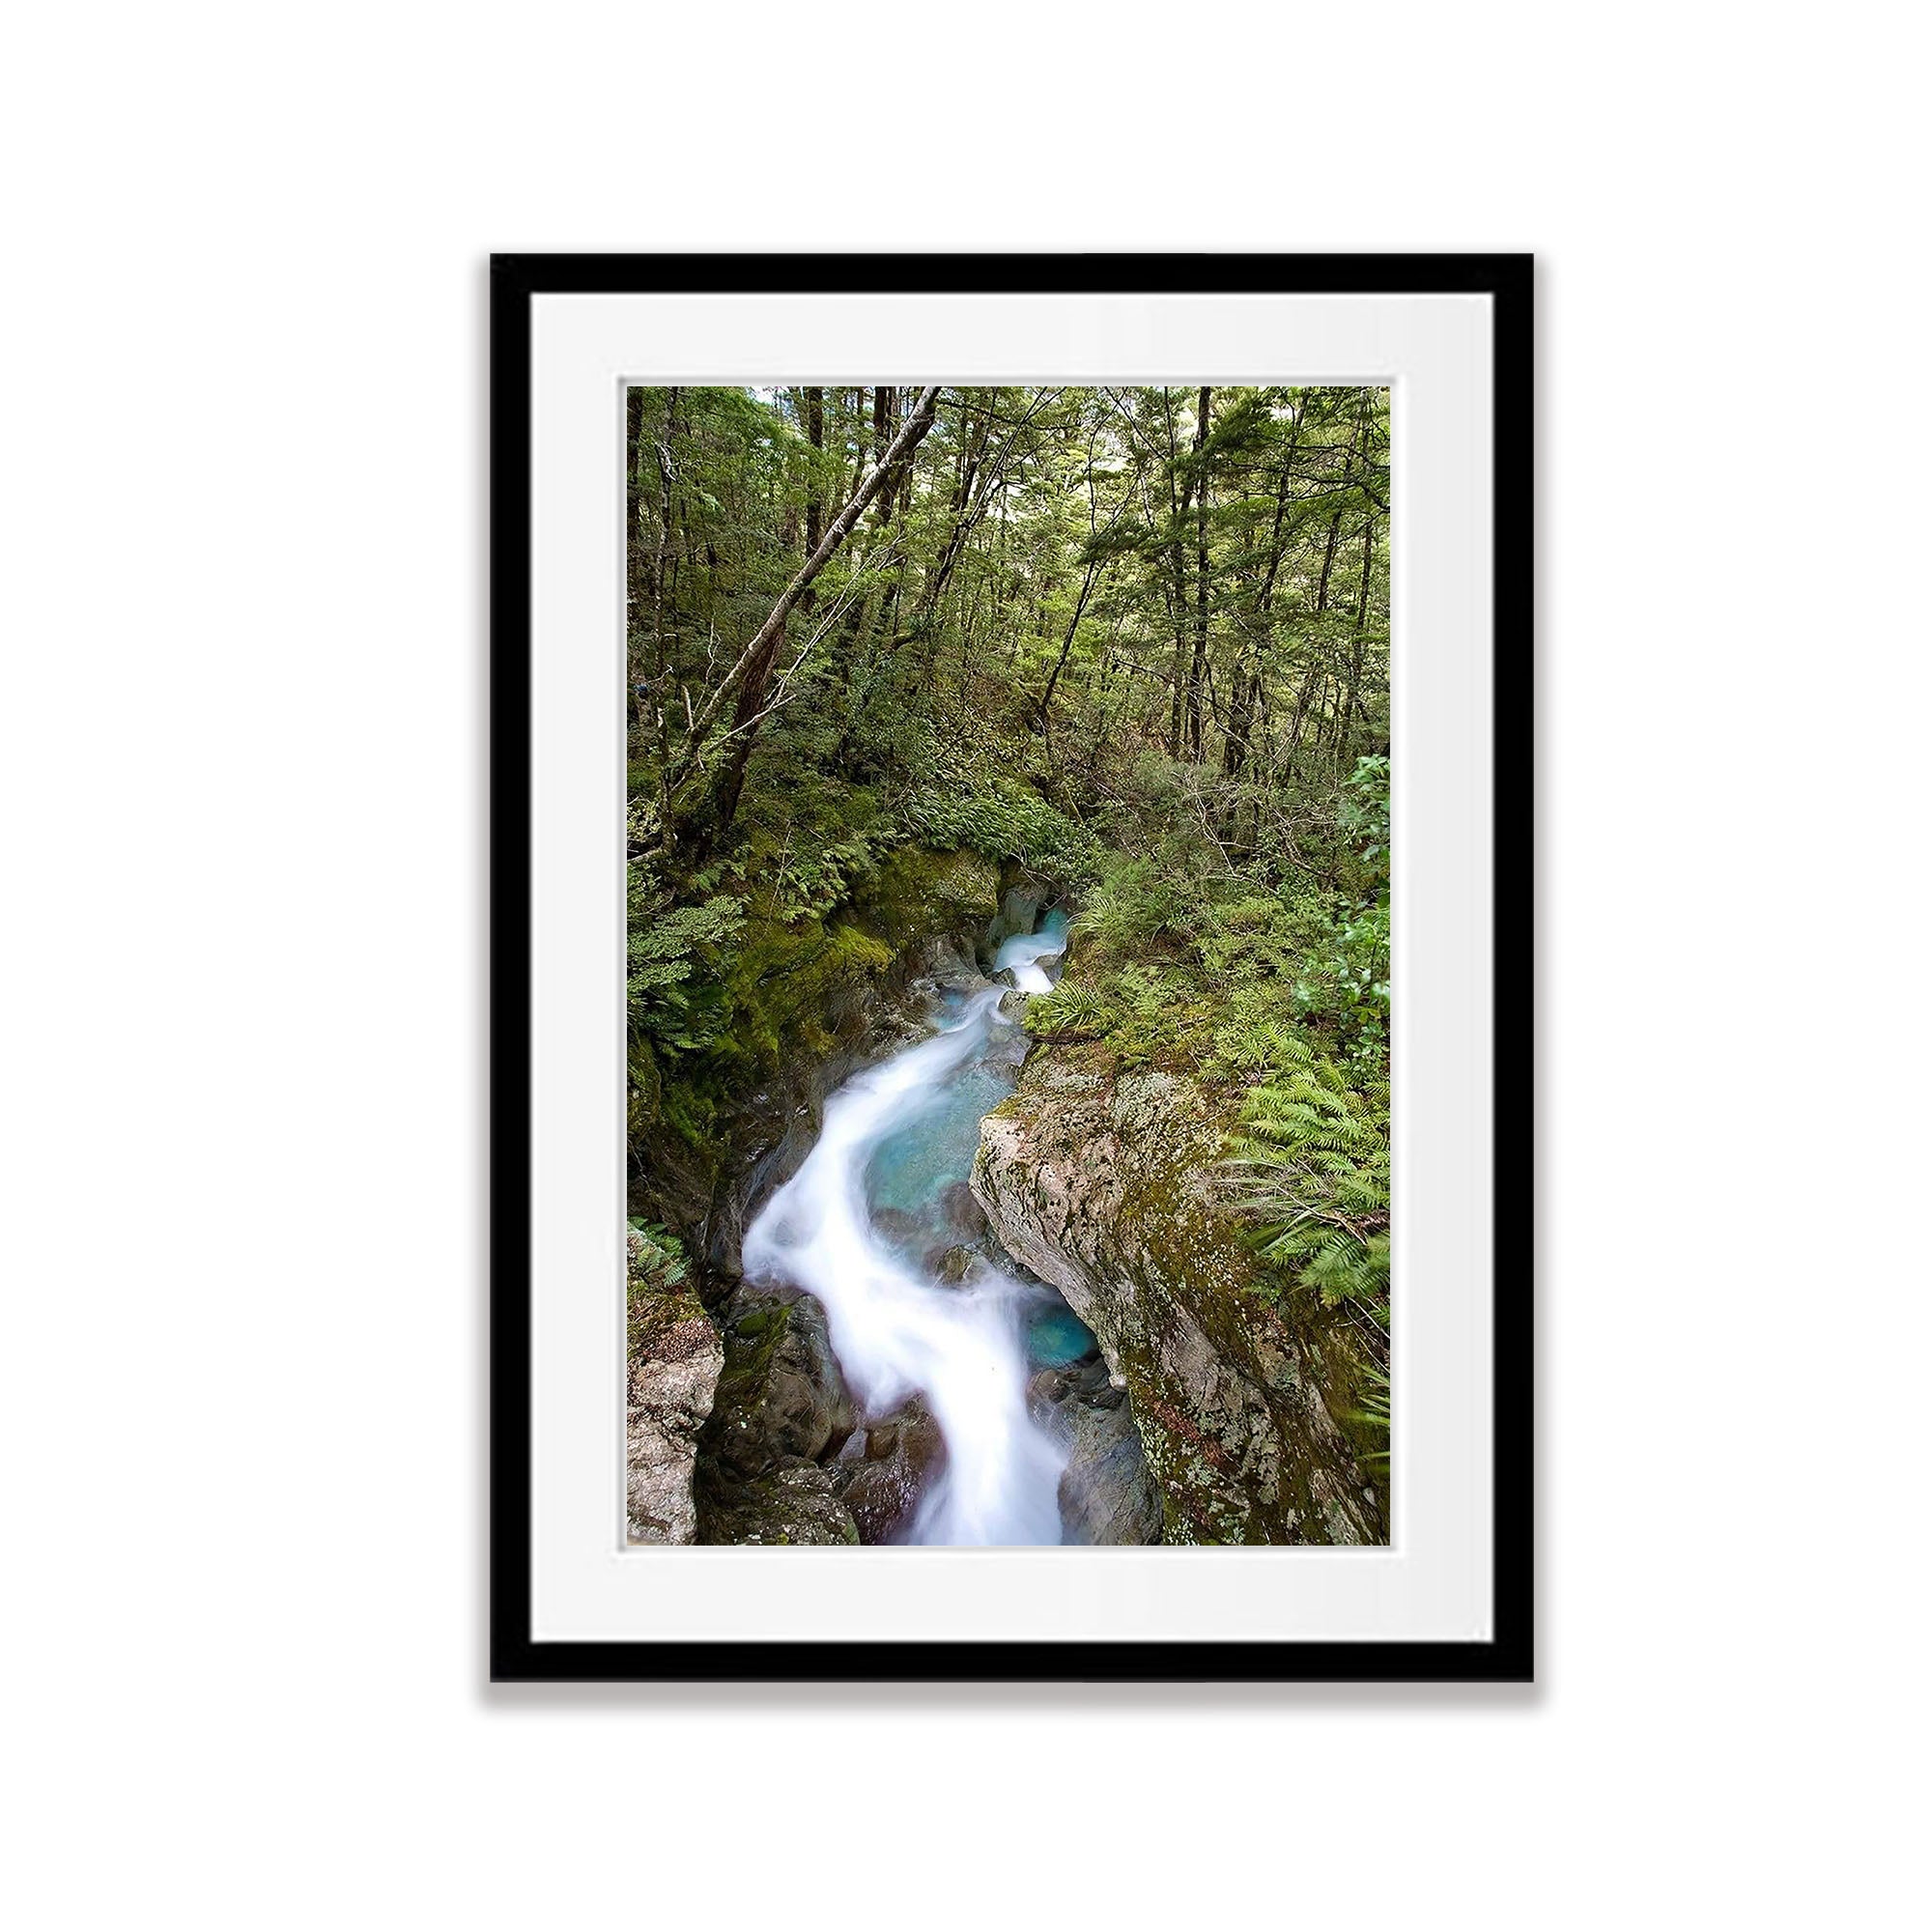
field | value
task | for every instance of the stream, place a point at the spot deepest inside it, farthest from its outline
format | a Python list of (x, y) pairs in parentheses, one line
[(879, 1226)]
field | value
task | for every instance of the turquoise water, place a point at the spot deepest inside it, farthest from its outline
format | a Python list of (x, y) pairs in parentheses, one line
[(1056, 1337), (914, 1180), (933, 1149)]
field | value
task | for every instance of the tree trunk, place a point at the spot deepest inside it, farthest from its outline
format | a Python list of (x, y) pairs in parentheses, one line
[(814, 503), (1177, 596), (752, 670), (885, 404), (1327, 562), (1198, 669), (1355, 657)]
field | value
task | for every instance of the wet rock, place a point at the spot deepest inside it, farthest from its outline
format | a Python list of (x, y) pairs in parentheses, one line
[(963, 1215), (904, 1455), (782, 1403), (897, 1226), (1107, 1492), (671, 1369), (1018, 913), (948, 964), (956, 1265)]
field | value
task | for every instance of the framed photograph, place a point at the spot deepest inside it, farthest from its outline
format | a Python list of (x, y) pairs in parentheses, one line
[(1010, 1107)]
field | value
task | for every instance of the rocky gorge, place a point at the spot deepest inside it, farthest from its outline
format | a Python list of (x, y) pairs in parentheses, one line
[(1075, 1203)]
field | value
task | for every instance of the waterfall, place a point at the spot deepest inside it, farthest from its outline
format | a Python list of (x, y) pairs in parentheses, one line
[(1024, 951), (861, 1226)]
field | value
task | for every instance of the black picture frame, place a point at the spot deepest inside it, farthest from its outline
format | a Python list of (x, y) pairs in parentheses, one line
[(515, 1656)]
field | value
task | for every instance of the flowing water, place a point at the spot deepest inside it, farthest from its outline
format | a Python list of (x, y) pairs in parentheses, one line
[(1024, 951), (874, 1223)]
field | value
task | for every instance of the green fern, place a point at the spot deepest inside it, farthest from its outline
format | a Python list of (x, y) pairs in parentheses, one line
[(1070, 1013), (1374, 1410), (1312, 1160)]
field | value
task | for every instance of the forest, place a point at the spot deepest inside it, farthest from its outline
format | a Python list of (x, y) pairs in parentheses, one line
[(1125, 647)]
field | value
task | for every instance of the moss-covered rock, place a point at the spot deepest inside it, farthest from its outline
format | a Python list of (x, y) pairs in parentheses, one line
[(808, 1003), (1101, 1182), (917, 895), (794, 1503), (781, 1412)]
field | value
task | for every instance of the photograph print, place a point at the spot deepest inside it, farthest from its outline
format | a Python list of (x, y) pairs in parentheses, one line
[(1007, 1021)]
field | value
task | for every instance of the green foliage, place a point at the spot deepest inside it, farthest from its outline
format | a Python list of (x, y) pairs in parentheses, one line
[(1372, 1407), (1349, 975), (1136, 902), (657, 1261), (1070, 1011), (674, 953), (961, 799), (1363, 814), (812, 883), (1312, 1154)]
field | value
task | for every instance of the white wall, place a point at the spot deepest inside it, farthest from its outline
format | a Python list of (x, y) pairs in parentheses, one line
[(242, 796)]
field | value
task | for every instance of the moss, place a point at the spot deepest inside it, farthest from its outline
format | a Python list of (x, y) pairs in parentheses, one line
[(917, 895), (1267, 1466), (749, 1344), (787, 984)]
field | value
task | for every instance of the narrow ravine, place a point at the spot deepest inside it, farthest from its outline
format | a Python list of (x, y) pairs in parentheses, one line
[(877, 1224)]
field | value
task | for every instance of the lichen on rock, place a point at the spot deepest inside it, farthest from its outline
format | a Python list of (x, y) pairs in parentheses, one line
[(672, 1363), (1101, 1182)]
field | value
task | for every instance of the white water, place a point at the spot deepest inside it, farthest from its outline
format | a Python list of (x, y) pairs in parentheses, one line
[(894, 1327), (1024, 951)]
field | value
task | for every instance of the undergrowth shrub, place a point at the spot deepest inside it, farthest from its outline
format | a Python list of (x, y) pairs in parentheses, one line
[(1312, 1162)]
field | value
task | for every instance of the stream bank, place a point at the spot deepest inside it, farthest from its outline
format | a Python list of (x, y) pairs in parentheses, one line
[(1102, 1181)]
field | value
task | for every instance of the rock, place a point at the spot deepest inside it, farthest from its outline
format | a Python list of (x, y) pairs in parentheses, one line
[(673, 1362), (947, 962), (1018, 913), (904, 1454), (1102, 1185), (1107, 1492), (782, 1403), (964, 1215), (956, 1264), (897, 1226), (794, 1503)]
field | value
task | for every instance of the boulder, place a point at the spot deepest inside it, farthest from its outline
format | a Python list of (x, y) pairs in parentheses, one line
[(963, 1214), (672, 1364), (1102, 1183), (904, 1454), (792, 1503), (1019, 913), (782, 1404), (954, 1265), (1107, 1492)]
